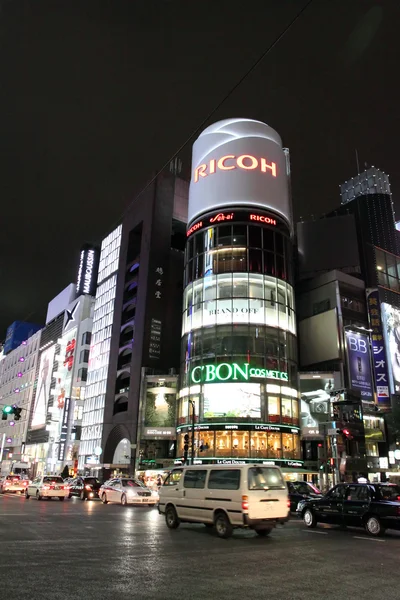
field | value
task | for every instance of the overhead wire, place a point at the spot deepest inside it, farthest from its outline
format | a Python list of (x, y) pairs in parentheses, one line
[(216, 108)]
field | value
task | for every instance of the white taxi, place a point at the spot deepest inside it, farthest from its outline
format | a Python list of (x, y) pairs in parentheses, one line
[(126, 490), (48, 486), (13, 483)]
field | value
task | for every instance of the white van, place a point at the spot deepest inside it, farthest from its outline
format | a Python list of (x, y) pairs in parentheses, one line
[(226, 496)]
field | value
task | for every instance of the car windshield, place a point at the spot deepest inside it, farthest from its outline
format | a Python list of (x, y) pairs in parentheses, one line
[(13, 477), (53, 480), (91, 480), (301, 487), (131, 483), (265, 478), (390, 492)]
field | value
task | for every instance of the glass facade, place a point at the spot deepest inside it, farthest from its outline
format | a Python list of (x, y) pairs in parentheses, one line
[(239, 352)]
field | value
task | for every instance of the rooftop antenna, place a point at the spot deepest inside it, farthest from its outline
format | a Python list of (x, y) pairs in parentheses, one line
[(358, 164)]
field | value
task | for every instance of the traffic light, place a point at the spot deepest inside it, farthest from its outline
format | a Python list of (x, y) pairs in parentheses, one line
[(17, 413), (7, 410), (11, 410), (185, 446)]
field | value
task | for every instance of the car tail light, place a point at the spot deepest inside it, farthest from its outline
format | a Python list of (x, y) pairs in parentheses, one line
[(62, 487), (88, 487), (288, 503), (245, 503), (46, 487)]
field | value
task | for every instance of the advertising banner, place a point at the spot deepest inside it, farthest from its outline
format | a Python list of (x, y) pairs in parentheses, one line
[(378, 350), (391, 331), (238, 162), (359, 364), (43, 388)]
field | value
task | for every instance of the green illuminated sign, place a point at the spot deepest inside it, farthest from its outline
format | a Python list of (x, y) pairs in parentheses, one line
[(233, 372)]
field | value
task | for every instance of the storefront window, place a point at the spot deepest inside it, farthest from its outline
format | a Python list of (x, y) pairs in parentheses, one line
[(223, 443), (372, 449), (183, 411), (205, 443), (288, 445), (273, 409), (240, 443), (259, 444), (274, 445)]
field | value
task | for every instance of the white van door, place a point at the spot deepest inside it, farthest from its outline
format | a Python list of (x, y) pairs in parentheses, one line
[(267, 493), (192, 504)]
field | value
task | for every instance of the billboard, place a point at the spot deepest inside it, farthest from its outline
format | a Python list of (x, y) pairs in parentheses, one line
[(359, 364), (43, 388), (391, 332), (238, 162), (236, 400), (315, 398), (379, 357), (86, 281)]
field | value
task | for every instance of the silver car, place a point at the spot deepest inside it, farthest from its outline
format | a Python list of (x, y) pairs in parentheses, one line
[(127, 490)]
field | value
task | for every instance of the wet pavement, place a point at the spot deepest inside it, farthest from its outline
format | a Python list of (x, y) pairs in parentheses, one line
[(84, 550)]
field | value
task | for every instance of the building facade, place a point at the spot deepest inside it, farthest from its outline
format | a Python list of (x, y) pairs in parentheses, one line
[(17, 384), (238, 398), (137, 317)]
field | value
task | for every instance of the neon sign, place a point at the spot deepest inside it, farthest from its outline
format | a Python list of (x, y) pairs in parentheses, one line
[(233, 372), (222, 217), (263, 219), (232, 216), (230, 162)]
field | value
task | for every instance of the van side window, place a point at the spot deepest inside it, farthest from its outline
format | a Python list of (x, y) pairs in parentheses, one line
[(173, 478), (195, 479), (224, 479)]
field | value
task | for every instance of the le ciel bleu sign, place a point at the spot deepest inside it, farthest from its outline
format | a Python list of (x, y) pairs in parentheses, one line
[(233, 372)]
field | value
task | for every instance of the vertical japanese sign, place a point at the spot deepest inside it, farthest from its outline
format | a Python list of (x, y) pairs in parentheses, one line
[(391, 332), (359, 364), (156, 324), (379, 358)]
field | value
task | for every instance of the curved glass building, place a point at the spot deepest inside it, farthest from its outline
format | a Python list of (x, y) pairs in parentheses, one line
[(239, 353)]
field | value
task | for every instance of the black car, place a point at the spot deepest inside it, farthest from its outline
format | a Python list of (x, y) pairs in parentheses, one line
[(301, 490), (374, 506), (87, 488)]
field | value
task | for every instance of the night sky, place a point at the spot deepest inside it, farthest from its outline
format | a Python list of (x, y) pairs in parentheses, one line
[(96, 96)]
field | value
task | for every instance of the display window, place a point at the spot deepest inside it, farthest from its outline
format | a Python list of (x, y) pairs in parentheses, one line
[(274, 409), (238, 298), (288, 445)]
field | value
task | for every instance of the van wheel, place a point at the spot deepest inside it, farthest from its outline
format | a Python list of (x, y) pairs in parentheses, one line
[(309, 519), (171, 518), (263, 532), (26, 495), (104, 499), (223, 525)]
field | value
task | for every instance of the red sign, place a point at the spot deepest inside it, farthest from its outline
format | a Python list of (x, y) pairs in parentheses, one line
[(222, 217), (231, 162), (231, 216), (263, 219), (69, 354)]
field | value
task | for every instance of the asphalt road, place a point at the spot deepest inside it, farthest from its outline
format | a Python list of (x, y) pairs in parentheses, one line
[(87, 550)]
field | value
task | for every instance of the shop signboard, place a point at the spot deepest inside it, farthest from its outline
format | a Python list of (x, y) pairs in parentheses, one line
[(222, 372), (380, 363), (359, 363)]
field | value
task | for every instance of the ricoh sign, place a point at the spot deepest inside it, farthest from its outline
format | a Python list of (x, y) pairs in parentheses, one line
[(238, 162)]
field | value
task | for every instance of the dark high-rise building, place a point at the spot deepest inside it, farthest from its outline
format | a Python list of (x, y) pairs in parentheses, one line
[(135, 336), (238, 373)]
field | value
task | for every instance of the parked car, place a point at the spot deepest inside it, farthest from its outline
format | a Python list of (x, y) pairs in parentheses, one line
[(374, 506), (126, 490), (49, 486), (13, 483), (87, 488), (301, 490)]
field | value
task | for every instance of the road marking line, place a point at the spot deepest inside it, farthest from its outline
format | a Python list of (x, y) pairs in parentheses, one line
[(360, 537), (320, 532)]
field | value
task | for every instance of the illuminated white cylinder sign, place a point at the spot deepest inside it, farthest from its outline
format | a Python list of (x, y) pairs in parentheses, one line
[(238, 162)]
